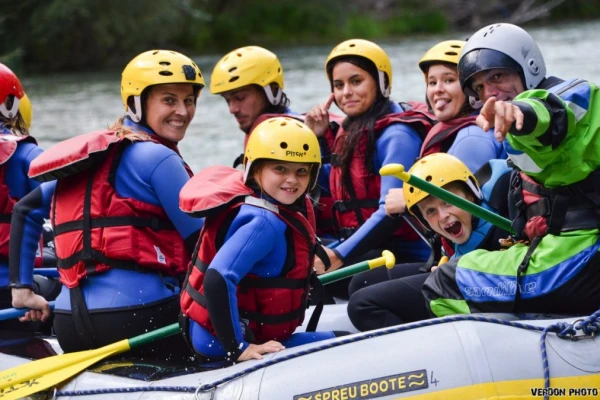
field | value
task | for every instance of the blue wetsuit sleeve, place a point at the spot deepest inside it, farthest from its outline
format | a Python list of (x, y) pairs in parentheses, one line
[(250, 243), (167, 179), (475, 147), (17, 167), (26, 227), (398, 143)]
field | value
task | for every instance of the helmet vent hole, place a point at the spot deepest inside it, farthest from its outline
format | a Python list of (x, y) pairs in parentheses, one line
[(232, 69), (305, 147), (451, 53), (238, 54), (411, 189), (233, 79), (429, 178), (165, 73), (164, 63), (278, 70), (455, 46), (352, 45), (283, 145)]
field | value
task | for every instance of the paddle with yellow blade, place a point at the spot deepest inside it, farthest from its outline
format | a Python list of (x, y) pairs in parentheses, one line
[(35, 376), (397, 170)]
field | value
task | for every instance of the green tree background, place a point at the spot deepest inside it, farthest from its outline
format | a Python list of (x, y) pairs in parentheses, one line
[(79, 35)]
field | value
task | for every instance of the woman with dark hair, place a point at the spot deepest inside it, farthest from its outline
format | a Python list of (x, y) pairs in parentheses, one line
[(455, 132), (374, 133)]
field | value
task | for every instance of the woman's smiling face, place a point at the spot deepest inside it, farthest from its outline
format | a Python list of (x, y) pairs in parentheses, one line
[(355, 90), (170, 108)]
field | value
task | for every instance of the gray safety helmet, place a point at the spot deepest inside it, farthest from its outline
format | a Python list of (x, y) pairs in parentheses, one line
[(501, 46)]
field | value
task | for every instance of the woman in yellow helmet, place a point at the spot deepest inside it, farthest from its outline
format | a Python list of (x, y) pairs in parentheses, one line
[(455, 132), (121, 240), (17, 151), (375, 132), (249, 288), (401, 300)]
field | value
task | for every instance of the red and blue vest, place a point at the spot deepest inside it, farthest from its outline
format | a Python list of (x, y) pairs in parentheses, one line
[(274, 307), (356, 201), (442, 135), (95, 229), (8, 146)]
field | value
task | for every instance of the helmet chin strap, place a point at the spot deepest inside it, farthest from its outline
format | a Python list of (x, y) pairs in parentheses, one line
[(10, 113), (273, 99), (247, 170), (137, 115), (384, 91), (476, 191), (475, 103)]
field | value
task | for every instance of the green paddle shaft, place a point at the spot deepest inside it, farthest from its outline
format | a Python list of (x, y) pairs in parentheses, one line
[(36, 376), (387, 258), (397, 170), (151, 336)]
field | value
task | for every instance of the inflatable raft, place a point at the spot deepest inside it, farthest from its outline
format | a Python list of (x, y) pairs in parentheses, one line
[(491, 356)]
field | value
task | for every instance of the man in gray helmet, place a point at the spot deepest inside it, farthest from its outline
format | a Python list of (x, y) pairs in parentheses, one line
[(551, 131)]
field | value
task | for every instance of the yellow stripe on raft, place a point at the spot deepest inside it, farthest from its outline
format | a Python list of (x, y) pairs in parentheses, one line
[(584, 386)]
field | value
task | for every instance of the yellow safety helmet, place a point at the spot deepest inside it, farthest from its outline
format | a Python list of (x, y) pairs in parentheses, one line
[(368, 50), (438, 169), (250, 65), (445, 52), (283, 139), (156, 67), (26, 110)]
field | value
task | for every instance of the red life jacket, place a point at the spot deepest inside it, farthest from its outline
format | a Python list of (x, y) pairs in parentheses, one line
[(536, 210), (8, 146), (96, 229), (356, 201), (274, 307), (441, 136)]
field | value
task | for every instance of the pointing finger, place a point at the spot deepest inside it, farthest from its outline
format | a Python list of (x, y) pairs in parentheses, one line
[(329, 101), (483, 122), (489, 109)]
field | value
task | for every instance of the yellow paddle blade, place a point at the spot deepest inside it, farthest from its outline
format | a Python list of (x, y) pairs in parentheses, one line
[(35, 376)]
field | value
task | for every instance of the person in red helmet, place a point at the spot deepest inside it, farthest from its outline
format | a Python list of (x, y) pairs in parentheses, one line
[(17, 150)]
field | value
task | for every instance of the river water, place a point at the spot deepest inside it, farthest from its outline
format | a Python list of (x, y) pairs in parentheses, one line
[(67, 105)]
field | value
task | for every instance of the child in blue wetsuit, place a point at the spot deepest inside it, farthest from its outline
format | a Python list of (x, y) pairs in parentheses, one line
[(375, 132), (17, 150), (248, 288), (401, 300), (121, 241)]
